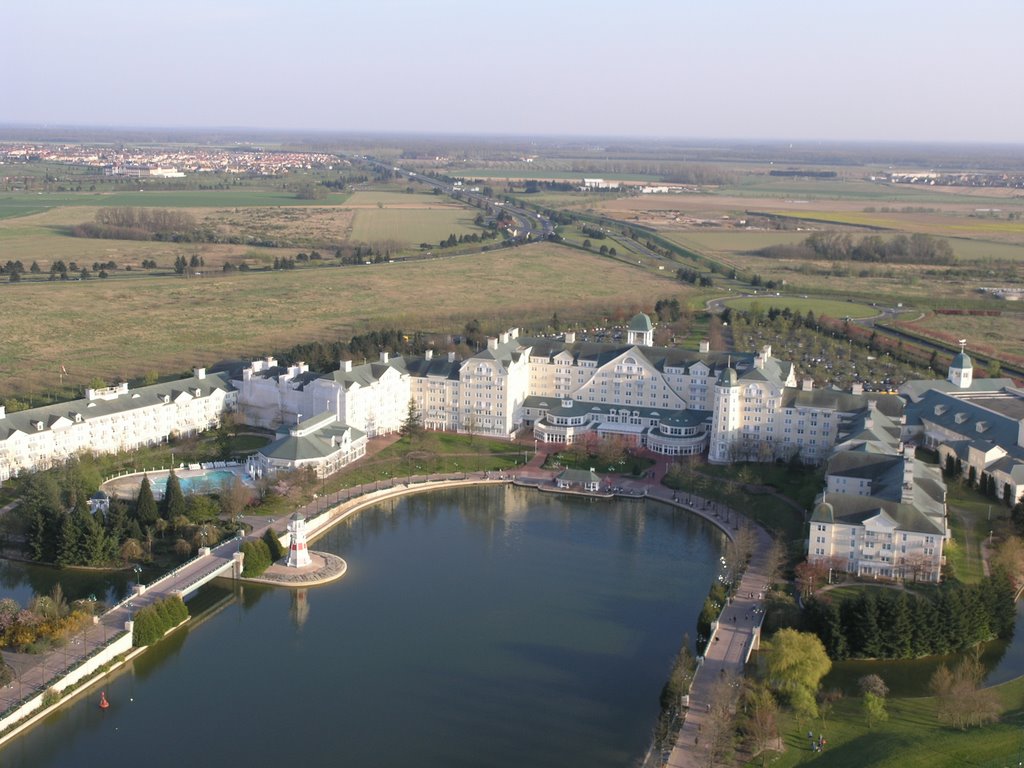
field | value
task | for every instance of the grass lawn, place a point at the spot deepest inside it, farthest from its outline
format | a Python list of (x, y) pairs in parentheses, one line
[(122, 329), (911, 738), (432, 453), (818, 306), (629, 465), (969, 519)]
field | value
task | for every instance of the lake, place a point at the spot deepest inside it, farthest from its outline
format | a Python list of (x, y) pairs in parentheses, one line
[(487, 626)]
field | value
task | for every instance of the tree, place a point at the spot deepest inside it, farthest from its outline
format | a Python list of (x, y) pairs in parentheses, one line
[(1009, 559), (234, 497), (146, 512), (962, 702), (795, 662), (760, 727), (775, 561), (131, 550), (874, 708), (810, 576), (276, 548), (412, 426), (174, 500), (873, 690)]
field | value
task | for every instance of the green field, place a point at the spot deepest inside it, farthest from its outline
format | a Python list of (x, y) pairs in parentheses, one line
[(20, 204), (733, 241), (818, 306), (117, 329), (422, 197), (411, 226)]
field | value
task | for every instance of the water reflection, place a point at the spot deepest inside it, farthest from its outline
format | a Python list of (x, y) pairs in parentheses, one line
[(1003, 660), (493, 626)]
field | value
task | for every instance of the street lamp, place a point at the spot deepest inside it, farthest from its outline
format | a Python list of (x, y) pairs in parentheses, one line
[(138, 574)]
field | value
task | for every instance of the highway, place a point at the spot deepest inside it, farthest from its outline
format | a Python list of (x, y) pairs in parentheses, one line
[(531, 225)]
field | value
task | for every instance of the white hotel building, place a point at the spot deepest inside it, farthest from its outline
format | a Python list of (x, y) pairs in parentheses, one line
[(112, 419)]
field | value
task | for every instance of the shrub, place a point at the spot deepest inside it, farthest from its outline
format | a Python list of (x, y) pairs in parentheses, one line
[(154, 620), (257, 558), (277, 549)]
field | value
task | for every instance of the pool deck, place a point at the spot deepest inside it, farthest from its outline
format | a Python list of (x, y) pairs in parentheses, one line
[(127, 486)]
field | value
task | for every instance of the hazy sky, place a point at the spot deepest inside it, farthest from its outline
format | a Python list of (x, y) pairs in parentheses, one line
[(931, 70)]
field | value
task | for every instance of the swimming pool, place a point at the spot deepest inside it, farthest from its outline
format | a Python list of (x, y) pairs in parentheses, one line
[(209, 481)]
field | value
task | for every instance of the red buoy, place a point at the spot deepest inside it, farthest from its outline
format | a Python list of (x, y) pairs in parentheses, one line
[(103, 700)]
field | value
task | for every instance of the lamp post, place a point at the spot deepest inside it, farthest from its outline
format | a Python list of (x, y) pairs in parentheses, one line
[(137, 569)]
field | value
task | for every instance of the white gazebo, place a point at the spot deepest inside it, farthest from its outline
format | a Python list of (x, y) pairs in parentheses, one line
[(298, 555)]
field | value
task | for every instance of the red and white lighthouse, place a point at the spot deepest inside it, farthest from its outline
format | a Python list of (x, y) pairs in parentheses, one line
[(298, 554)]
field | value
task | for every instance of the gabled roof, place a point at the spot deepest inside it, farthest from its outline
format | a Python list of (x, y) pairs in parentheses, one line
[(132, 399), (848, 509)]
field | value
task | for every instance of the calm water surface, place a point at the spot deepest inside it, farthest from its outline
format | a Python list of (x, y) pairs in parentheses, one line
[(475, 627)]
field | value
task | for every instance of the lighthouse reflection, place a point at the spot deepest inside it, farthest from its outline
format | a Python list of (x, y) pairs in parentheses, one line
[(299, 610)]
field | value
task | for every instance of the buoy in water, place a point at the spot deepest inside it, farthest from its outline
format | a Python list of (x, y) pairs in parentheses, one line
[(103, 700)]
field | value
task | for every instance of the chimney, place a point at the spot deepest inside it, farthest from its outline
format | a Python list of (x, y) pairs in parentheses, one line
[(705, 345), (451, 357), (346, 366), (122, 388), (514, 333), (90, 394), (570, 337), (504, 338), (3, 411), (199, 373), (384, 357), (492, 343), (856, 388), (759, 362), (766, 350), (807, 385), (907, 493), (429, 354)]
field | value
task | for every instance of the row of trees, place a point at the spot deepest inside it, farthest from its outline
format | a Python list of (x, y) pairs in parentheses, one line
[(261, 554), (129, 223), (895, 625), (153, 621), (839, 246), (325, 356), (693, 277), (953, 469)]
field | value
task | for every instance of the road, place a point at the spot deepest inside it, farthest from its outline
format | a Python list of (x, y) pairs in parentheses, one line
[(531, 225)]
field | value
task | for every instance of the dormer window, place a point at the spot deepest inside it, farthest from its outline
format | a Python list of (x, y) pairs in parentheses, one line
[(167, 398)]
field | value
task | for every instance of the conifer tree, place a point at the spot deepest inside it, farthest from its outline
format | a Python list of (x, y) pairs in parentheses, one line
[(174, 500), (69, 542), (145, 505)]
